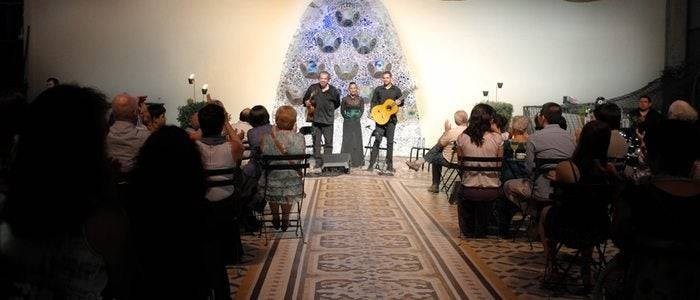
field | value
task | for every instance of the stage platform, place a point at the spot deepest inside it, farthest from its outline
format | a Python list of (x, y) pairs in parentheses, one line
[(385, 237)]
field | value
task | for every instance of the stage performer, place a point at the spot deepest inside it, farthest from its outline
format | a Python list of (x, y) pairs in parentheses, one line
[(352, 107), (385, 91), (325, 99)]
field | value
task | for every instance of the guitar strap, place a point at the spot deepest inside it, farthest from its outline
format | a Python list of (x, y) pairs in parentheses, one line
[(313, 93)]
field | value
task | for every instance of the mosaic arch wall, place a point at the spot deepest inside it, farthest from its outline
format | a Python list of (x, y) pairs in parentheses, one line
[(353, 40)]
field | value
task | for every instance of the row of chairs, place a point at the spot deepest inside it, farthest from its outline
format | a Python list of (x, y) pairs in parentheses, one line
[(268, 164), (585, 218), (584, 199)]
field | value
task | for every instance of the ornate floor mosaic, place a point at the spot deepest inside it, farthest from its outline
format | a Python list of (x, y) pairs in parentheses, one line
[(379, 237)]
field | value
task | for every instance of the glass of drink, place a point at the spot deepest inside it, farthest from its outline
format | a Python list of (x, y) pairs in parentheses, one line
[(514, 146)]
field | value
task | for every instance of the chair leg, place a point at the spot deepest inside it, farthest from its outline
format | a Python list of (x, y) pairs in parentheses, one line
[(263, 227), (447, 180), (551, 265), (554, 266), (517, 225), (475, 216), (532, 222), (300, 228), (601, 253), (525, 222)]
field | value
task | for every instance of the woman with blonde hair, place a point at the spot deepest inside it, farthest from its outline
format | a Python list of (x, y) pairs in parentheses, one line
[(513, 168), (682, 110), (513, 146), (518, 129), (282, 188)]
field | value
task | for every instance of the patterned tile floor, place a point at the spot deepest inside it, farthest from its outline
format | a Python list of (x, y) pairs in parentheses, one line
[(385, 237)]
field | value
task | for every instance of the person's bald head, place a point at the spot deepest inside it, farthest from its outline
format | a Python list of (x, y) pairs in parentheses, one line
[(125, 108), (461, 118), (244, 116)]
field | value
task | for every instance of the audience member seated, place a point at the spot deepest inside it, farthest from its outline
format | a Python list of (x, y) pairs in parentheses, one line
[(193, 131), (64, 235), (284, 188), (513, 168), (566, 220), (502, 125), (518, 129), (228, 129), (170, 223), (551, 142), (655, 223), (260, 120), (52, 82), (144, 115), (681, 110), (125, 139), (222, 152), (218, 151), (157, 116), (243, 124), (482, 138), (443, 153), (611, 114), (644, 116), (518, 137)]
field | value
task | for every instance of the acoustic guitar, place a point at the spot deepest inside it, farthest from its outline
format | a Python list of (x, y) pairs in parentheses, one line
[(381, 114), (310, 108)]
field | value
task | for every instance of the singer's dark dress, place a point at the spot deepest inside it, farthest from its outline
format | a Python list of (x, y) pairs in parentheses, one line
[(352, 110)]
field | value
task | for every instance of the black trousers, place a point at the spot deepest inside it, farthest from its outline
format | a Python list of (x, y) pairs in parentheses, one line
[(434, 157), (325, 130), (475, 209), (227, 232), (386, 130)]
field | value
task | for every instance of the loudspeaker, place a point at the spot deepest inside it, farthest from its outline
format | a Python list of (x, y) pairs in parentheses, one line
[(336, 162)]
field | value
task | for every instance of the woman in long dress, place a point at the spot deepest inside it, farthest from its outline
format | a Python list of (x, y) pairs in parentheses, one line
[(352, 107)]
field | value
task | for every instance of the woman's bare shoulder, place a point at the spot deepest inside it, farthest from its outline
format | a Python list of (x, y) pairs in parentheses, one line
[(565, 172)]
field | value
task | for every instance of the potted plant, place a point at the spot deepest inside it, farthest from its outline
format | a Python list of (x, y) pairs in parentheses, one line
[(185, 112), (502, 108)]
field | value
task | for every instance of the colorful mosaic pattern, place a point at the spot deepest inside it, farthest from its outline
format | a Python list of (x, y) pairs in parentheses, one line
[(378, 237), (355, 41)]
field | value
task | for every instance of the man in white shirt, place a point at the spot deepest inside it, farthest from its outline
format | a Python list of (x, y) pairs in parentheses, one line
[(125, 139), (550, 142), (444, 146), (243, 125)]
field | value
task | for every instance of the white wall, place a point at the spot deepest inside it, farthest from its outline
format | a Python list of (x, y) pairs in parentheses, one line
[(541, 49)]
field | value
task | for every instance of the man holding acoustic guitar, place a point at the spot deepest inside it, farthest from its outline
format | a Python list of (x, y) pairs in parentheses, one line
[(321, 100), (386, 99)]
